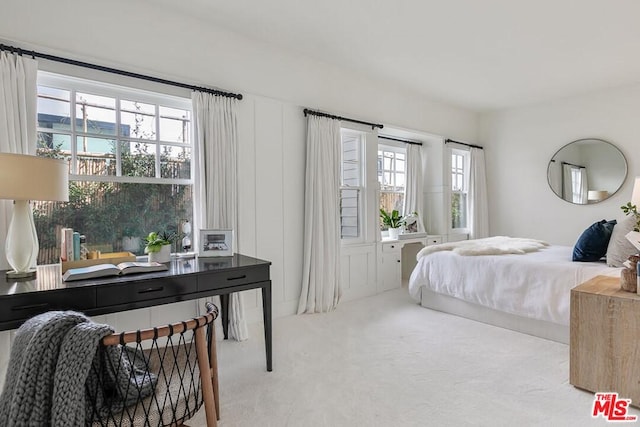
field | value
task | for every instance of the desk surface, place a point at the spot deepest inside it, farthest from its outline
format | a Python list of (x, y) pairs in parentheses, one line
[(186, 279), (49, 277)]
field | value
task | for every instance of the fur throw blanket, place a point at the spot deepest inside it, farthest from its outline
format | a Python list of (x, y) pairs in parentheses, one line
[(498, 245), (51, 360)]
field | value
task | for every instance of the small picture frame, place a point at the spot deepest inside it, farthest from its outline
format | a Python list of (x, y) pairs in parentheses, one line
[(215, 243)]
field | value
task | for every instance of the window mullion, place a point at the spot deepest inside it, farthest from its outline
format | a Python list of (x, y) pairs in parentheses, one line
[(118, 137), (157, 139), (74, 146)]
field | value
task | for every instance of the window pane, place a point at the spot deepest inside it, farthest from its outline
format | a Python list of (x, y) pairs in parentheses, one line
[(400, 182), (388, 162), (175, 162), (138, 125), (95, 156), (351, 175), (95, 114), (48, 142), (54, 108), (387, 179), (174, 125), (349, 207), (458, 210), (391, 201), (400, 165), (138, 159), (116, 210)]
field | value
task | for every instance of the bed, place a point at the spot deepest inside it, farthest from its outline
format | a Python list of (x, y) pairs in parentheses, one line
[(527, 292)]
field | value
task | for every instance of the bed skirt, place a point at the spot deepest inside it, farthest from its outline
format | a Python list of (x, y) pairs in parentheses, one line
[(539, 328)]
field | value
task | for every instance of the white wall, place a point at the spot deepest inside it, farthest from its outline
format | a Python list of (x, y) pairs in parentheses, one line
[(520, 142), (276, 85)]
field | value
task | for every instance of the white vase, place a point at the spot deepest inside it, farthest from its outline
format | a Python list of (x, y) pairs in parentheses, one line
[(394, 233), (163, 255)]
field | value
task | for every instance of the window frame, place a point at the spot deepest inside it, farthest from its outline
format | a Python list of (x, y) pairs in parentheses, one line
[(361, 188), (395, 148), (464, 174), (119, 92)]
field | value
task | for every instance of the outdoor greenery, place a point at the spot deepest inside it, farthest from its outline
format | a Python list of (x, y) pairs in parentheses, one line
[(105, 212)]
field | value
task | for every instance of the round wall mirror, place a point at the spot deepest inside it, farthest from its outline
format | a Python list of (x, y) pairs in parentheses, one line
[(587, 171)]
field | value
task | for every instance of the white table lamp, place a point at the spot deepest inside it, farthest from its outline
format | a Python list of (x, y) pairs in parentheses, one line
[(24, 178)]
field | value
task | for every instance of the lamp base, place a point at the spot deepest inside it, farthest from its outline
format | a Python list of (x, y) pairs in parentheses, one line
[(24, 275)]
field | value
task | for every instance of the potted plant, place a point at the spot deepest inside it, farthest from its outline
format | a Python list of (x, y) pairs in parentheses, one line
[(393, 221), (158, 246)]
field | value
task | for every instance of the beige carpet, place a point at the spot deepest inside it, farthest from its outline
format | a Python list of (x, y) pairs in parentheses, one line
[(385, 361)]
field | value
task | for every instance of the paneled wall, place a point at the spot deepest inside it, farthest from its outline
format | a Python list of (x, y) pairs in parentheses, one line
[(271, 196)]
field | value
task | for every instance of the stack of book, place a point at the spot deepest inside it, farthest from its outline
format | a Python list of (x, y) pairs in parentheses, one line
[(69, 245)]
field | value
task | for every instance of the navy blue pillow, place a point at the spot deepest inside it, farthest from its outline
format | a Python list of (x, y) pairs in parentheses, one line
[(593, 242)]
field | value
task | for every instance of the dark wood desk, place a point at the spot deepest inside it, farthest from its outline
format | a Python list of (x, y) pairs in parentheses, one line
[(186, 279)]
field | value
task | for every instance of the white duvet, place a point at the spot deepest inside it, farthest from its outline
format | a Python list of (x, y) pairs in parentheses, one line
[(536, 285)]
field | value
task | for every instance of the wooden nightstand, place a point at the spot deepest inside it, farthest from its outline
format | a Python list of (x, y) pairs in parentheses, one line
[(605, 338)]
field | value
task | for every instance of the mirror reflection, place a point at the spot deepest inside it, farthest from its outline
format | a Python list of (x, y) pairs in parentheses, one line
[(587, 171)]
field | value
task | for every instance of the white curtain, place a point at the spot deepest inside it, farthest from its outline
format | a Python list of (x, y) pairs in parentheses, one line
[(478, 196), (413, 196), (321, 257), (18, 117), (216, 129), (582, 189), (574, 184)]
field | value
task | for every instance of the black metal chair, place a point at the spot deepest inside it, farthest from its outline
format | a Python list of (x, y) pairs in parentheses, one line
[(156, 377)]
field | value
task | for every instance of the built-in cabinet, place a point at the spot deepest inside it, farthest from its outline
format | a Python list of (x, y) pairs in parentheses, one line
[(389, 265), (397, 258)]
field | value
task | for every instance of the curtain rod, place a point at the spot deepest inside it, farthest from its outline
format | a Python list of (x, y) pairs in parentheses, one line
[(576, 166), (406, 141), (331, 116), (446, 141), (35, 54)]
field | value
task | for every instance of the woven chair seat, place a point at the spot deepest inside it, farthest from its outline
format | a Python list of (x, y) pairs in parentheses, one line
[(176, 398), (152, 378)]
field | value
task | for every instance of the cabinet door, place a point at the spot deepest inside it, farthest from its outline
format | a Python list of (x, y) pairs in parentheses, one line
[(390, 270)]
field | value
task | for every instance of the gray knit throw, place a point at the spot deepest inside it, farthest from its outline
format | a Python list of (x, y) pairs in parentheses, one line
[(50, 363)]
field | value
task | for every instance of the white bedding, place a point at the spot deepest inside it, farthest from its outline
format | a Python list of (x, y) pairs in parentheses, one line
[(535, 285)]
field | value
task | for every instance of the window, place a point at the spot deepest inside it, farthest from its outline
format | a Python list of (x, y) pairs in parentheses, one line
[(129, 157), (391, 176), (459, 188), (351, 185)]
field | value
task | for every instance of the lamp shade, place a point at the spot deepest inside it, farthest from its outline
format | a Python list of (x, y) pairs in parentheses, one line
[(24, 177), (635, 196), (597, 195)]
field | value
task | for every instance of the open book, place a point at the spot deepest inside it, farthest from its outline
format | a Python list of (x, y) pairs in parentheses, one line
[(102, 270)]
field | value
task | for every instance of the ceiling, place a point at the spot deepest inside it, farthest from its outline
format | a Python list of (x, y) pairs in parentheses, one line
[(480, 55)]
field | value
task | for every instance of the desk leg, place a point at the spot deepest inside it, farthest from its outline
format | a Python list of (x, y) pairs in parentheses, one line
[(266, 312), (224, 301)]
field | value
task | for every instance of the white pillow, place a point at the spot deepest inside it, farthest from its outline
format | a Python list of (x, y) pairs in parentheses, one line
[(620, 249)]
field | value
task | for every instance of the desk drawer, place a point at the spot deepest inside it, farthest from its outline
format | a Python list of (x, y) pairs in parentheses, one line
[(391, 247), (22, 307), (225, 279), (146, 290)]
